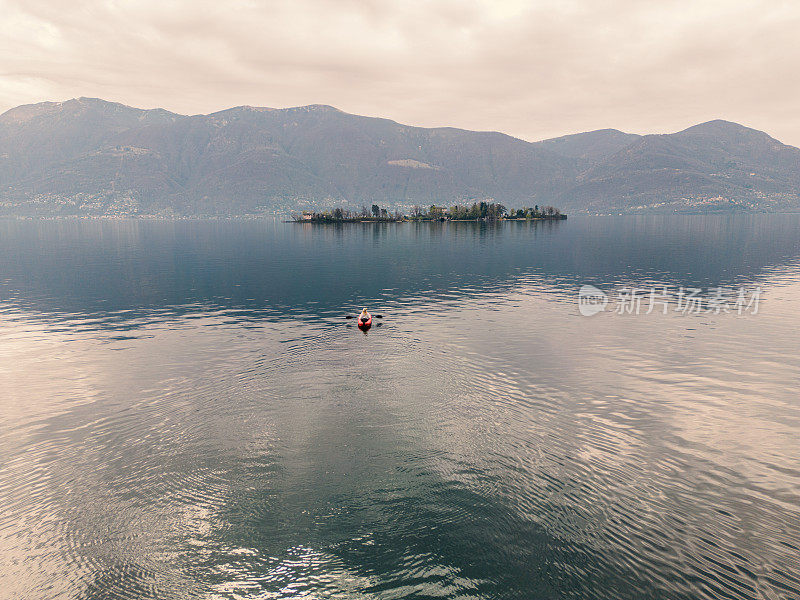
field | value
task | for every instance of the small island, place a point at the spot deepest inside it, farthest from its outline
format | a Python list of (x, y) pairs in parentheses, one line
[(478, 211)]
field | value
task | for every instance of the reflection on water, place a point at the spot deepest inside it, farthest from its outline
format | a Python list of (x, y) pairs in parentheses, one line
[(187, 414)]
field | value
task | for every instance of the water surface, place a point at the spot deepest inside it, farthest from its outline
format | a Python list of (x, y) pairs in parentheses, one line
[(187, 414)]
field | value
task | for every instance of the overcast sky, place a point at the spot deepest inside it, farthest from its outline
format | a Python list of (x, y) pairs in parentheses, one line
[(533, 69)]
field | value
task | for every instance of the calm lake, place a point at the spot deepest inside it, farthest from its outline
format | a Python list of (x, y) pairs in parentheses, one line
[(186, 413)]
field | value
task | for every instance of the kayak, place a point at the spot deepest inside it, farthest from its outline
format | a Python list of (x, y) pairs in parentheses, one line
[(365, 324)]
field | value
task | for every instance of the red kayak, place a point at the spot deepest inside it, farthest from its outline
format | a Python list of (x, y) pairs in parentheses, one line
[(365, 324)]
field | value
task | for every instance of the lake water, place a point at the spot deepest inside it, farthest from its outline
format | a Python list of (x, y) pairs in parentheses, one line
[(187, 414)]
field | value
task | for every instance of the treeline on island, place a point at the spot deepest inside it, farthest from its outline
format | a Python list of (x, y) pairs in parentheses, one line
[(478, 211)]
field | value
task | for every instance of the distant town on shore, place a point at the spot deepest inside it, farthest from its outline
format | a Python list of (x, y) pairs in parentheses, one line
[(479, 211)]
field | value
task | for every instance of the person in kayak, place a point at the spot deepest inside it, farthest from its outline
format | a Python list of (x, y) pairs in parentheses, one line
[(365, 316)]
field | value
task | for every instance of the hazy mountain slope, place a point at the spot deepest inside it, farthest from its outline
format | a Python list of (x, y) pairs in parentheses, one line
[(591, 145), (87, 156), (361, 159), (712, 165), (35, 137), (250, 159)]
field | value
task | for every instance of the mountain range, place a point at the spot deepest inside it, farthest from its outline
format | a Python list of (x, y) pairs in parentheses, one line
[(87, 156)]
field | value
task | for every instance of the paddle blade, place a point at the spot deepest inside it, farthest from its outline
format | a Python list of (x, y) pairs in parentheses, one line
[(348, 316)]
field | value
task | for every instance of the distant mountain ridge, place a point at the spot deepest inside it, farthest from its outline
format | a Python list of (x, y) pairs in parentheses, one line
[(89, 156)]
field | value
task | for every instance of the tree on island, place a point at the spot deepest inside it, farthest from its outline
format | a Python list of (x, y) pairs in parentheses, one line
[(551, 211)]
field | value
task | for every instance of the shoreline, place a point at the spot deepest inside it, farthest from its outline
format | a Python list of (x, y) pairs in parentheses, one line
[(355, 221)]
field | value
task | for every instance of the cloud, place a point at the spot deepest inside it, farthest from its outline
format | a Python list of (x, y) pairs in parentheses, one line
[(530, 68)]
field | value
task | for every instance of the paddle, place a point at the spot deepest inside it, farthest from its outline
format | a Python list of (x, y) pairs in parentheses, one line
[(352, 317)]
